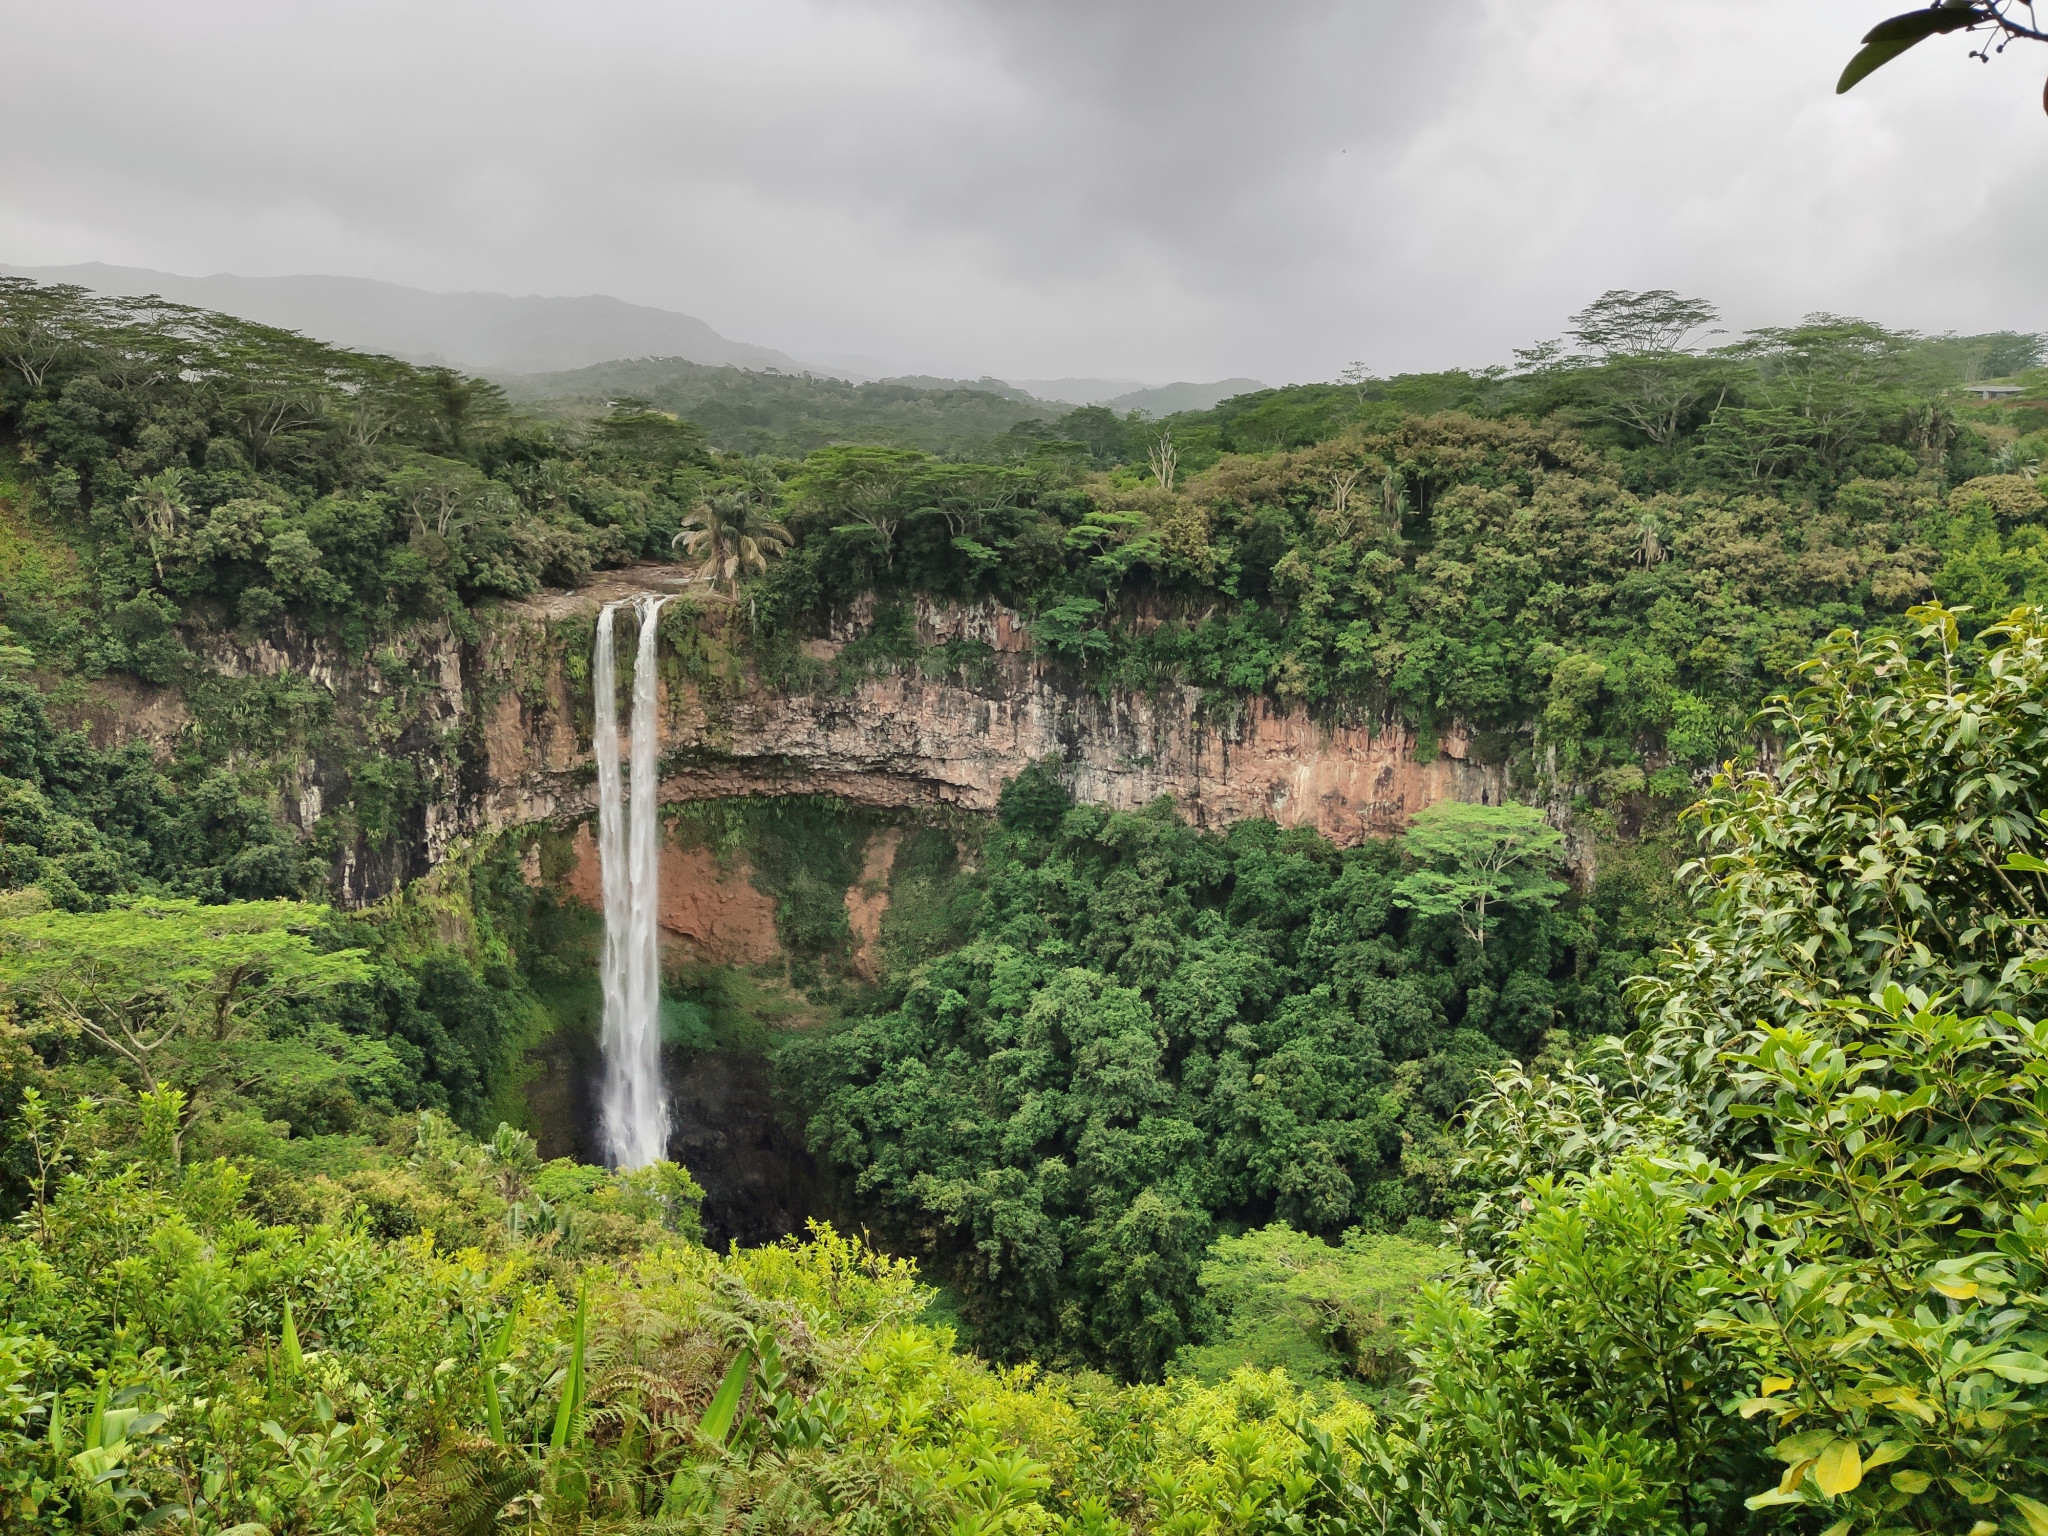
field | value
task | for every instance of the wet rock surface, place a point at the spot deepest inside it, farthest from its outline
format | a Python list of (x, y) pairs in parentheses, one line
[(727, 1128)]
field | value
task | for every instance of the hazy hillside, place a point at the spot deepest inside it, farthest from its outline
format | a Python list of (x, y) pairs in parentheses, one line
[(1134, 395), (788, 413), (1165, 399), (1078, 391), (484, 332)]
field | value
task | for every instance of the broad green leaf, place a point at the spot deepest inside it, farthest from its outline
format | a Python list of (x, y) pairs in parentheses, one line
[(2033, 1511), (99, 1463), (1888, 39), (2016, 1365), (288, 1342), (725, 1403), (1804, 1446), (97, 1421), (572, 1384), (1838, 1469), (1910, 1481)]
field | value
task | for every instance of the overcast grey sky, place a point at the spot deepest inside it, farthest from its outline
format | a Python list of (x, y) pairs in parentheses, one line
[(1046, 187)]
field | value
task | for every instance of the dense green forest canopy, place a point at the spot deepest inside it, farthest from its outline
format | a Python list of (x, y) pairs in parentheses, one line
[(788, 415), (1616, 549), (1745, 1235), (1152, 1033), (1772, 1261)]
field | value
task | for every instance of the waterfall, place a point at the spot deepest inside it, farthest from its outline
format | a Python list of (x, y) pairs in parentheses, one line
[(635, 1109)]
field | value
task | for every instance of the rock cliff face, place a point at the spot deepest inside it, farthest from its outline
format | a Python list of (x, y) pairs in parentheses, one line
[(493, 732), (905, 739)]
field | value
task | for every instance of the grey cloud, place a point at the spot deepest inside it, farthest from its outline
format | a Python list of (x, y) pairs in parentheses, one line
[(966, 186)]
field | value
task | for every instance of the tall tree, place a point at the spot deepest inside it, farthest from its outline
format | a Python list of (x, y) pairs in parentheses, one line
[(1475, 859), (175, 990), (730, 535), (1648, 324)]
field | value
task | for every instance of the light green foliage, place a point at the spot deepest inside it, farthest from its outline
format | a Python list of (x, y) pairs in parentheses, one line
[(1791, 1227), (1577, 1395), (1996, 546), (147, 1379), (1893, 1336), (181, 994), (1472, 858), (1912, 775), (1288, 1300)]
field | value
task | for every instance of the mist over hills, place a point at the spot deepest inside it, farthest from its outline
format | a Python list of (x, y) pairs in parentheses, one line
[(529, 342), (1165, 399), (480, 332), (1136, 395)]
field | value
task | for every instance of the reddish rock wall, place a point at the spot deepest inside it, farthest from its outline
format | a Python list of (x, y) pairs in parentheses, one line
[(905, 740), (492, 726), (718, 915), (868, 902)]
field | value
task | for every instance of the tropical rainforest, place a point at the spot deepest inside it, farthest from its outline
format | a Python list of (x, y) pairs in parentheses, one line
[(1660, 1149)]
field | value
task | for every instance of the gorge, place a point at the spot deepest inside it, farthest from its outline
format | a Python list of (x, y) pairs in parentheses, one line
[(1210, 923)]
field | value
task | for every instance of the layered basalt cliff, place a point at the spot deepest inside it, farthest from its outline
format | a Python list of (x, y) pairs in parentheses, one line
[(906, 739), (493, 733)]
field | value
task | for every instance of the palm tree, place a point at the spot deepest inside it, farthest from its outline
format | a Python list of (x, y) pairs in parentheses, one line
[(157, 506), (730, 534), (1650, 542)]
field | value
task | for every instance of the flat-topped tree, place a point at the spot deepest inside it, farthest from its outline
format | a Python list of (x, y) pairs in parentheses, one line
[(178, 991), (1473, 860)]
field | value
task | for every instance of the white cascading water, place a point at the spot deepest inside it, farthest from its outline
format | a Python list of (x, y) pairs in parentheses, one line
[(634, 1105)]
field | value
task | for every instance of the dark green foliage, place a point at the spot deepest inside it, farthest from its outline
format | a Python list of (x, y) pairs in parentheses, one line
[(789, 414), (86, 824), (226, 470), (1154, 1032)]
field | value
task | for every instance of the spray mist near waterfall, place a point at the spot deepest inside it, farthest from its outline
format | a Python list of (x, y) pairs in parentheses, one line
[(635, 1119)]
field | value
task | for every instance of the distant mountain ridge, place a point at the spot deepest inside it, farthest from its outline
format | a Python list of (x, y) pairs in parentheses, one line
[(478, 332), (1165, 399), (1132, 395), (513, 338)]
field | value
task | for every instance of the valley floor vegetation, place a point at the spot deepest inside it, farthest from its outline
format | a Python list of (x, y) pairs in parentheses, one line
[(1267, 1185), (1771, 1261)]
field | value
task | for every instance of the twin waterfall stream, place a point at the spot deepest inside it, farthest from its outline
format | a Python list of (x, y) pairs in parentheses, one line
[(635, 1117)]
